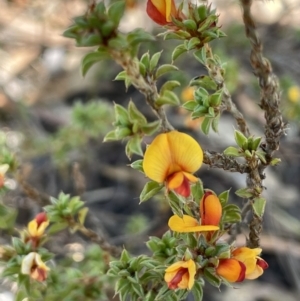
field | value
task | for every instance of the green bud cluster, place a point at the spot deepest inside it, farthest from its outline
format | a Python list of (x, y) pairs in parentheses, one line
[(134, 274), (97, 26), (204, 104), (248, 148), (199, 28), (131, 123), (64, 211)]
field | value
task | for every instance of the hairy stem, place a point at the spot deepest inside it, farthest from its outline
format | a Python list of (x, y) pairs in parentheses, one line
[(148, 88), (269, 102)]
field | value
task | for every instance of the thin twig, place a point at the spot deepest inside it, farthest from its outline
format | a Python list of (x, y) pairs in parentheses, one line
[(43, 199), (218, 160), (148, 88), (216, 73), (269, 102)]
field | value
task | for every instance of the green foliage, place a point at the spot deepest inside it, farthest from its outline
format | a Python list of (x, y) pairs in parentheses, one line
[(65, 211), (205, 105), (7, 217), (133, 125), (88, 121), (79, 276), (150, 189)]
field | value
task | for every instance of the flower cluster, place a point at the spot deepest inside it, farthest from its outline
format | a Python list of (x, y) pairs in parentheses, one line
[(172, 158), (32, 263)]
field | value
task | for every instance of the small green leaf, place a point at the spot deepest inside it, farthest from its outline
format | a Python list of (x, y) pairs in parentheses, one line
[(57, 227), (150, 189), (202, 12), (125, 257), (121, 76), (137, 165), (275, 161), (200, 55), (154, 60), (138, 36), (180, 49), (240, 139), (190, 105), (197, 291), (176, 203), (258, 206), (169, 85), (116, 11), (82, 213), (121, 133), (145, 60), (190, 24), (205, 125), (121, 116), (216, 98), (231, 214), (163, 69), (210, 276), (223, 197), (151, 127), (133, 146), (215, 123), (244, 193), (197, 191), (110, 136), (135, 114), (169, 97), (261, 155), (232, 151), (255, 143), (193, 42), (92, 58), (248, 154)]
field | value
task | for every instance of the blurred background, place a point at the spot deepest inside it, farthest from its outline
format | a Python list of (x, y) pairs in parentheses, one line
[(54, 121)]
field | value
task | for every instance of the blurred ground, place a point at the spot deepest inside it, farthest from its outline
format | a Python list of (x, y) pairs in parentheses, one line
[(40, 83)]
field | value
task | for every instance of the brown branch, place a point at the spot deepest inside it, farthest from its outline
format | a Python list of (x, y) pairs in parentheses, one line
[(148, 88), (43, 199), (215, 73), (218, 160), (269, 102)]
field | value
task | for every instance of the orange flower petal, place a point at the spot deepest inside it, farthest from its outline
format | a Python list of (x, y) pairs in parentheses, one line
[(170, 153), (175, 180), (210, 209), (188, 224), (181, 274), (231, 269), (161, 11), (248, 257)]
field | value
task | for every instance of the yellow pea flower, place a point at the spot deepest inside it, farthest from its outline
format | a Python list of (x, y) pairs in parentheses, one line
[(161, 11), (244, 264), (255, 265), (188, 224), (172, 158), (33, 266), (181, 275), (37, 227)]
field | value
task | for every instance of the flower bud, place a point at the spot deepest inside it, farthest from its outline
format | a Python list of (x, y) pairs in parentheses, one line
[(210, 209)]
